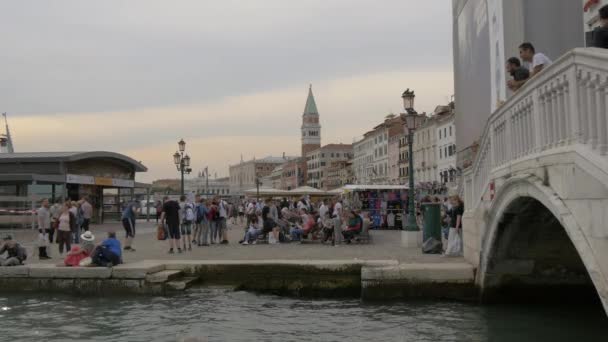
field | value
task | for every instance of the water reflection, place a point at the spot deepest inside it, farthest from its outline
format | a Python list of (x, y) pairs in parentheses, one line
[(222, 315)]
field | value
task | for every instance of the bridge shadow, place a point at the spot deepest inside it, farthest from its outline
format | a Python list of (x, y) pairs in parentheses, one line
[(533, 260)]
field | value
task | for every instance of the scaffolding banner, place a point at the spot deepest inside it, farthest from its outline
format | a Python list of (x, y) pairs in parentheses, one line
[(497, 54)]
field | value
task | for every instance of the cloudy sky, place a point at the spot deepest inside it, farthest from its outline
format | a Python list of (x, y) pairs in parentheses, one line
[(230, 76)]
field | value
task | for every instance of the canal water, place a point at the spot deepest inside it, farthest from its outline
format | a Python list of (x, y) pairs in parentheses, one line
[(219, 314)]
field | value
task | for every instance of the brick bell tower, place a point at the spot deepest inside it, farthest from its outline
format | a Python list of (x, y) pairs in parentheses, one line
[(311, 131)]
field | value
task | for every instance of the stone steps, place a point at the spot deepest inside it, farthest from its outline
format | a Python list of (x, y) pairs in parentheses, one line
[(181, 284), (163, 276)]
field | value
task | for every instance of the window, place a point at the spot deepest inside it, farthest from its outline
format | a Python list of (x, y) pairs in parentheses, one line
[(332, 155), (445, 129), (385, 149), (322, 155), (450, 130), (439, 134), (440, 154)]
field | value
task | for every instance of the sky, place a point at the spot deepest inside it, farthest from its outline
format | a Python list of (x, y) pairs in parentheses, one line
[(230, 77)]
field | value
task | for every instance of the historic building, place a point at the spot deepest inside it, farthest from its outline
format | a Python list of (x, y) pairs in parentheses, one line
[(311, 130), (319, 160), (446, 148), (371, 154), (243, 176)]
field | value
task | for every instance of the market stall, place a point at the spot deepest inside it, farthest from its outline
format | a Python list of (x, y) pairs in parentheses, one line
[(386, 204)]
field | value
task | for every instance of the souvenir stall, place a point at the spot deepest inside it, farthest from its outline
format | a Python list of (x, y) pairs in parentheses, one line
[(386, 204)]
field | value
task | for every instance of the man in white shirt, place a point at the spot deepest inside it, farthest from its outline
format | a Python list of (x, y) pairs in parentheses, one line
[(534, 61), (337, 215), (323, 210)]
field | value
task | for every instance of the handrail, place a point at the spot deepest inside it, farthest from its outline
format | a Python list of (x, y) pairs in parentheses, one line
[(564, 104)]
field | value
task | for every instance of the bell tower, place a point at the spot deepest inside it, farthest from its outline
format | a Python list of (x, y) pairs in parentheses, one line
[(311, 132), (311, 129)]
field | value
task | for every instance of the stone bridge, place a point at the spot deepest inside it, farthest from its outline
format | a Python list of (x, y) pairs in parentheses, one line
[(536, 197)]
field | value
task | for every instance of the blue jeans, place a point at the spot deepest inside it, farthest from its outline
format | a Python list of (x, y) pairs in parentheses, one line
[(296, 233), (252, 235), (214, 231)]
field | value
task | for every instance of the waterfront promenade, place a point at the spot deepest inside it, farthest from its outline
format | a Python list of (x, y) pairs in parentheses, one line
[(385, 245)]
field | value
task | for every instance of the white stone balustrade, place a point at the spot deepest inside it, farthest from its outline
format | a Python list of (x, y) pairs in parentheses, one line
[(563, 105)]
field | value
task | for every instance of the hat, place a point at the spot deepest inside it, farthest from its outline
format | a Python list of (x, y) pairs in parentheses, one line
[(87, 236)]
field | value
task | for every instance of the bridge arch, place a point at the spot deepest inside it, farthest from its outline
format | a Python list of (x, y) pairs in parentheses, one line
[(534, 246)]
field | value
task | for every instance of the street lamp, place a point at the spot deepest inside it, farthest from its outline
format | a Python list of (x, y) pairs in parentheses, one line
[(413, 121), (182, 162), (257, 186)]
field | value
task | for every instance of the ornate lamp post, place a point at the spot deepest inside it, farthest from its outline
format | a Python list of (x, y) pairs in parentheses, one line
[(413, 121), (182, 162)]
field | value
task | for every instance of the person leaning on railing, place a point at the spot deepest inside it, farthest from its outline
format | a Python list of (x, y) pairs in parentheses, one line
[(600, 34)]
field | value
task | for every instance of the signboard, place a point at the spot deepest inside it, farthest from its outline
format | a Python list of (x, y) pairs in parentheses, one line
[(103, 181), (79, 179), (123, 183), (497, 54)]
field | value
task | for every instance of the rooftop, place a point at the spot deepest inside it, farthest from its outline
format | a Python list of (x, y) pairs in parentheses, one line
[(56, 157)]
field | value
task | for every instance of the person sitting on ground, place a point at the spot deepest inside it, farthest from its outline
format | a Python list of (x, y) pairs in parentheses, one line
[(600, 34), (520, 74), (87, 242), (270, 226), (252, 233), (534, 61), (108, 253), (327, 224), (75, 256), (354, 226), (308, 222), (16, 254)]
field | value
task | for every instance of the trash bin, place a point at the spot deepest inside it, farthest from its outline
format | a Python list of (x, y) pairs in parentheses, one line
[(432, 221)]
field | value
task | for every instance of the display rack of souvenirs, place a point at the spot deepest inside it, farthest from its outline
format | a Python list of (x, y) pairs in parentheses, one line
[(385, 207)]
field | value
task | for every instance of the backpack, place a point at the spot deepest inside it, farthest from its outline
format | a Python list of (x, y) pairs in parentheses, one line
[(189, 217), (200, 214)]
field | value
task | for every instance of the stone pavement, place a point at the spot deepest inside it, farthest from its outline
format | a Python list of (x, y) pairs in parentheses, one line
[(385, 245)]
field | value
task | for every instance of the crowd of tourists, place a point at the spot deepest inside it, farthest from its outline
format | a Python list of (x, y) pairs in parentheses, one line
[(204, 222)]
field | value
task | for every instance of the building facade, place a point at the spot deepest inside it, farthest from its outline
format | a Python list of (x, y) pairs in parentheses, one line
[(425, 146), (209, 187), (310, 130), (292, 174), (319, 160), (446, 149), (371, 161), (396, 133), (243, 176)]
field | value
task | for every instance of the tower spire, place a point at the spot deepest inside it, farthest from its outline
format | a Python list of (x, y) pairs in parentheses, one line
[(9, 146), (311, 105)]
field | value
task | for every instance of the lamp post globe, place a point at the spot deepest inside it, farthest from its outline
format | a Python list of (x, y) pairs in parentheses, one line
[(187, 161), (182, 145), (176, 158)]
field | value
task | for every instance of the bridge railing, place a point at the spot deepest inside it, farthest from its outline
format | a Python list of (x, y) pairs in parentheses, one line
[(563, 105)]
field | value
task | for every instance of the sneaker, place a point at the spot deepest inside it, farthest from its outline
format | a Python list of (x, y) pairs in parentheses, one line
[(179, 250), (127, 248), (194, 242), (254, 242), (224, 242), (190, 249), (200, 245), (244, 243), (171, 251), (132, 249)]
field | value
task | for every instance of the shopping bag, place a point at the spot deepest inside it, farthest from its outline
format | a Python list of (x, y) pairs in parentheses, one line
[(160, 232), (454, 248)]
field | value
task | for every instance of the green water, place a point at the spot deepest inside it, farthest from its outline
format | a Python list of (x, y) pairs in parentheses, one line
[(218, 314)]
